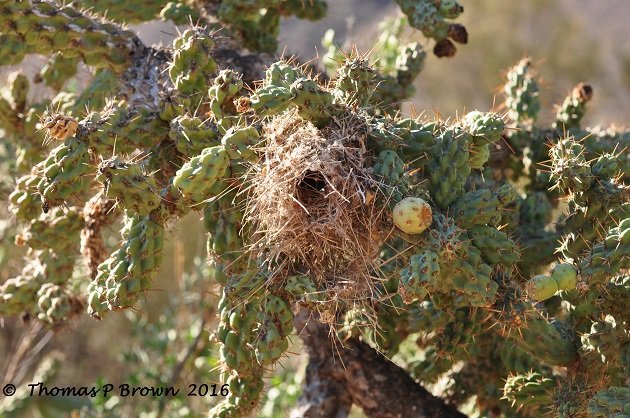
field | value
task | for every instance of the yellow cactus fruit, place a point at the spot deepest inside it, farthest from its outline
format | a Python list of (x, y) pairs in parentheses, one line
[(412, 215)]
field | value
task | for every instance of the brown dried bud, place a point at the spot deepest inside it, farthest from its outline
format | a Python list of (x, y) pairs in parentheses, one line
[(444, 48), (458, 33)]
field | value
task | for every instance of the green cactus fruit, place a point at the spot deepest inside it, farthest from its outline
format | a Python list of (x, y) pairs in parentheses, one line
[(197, 176), (541, 287), (417, 279), (412, 215), (565, 275)]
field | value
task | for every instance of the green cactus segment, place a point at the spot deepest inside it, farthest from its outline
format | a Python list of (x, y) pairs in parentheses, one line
[(97, 43), (224, 89), (124, 11), (408, 137), (270, 100), (544, 341), (122, 129), (16, 92), (472, 277), (62, 172), (129, 185), (58, 70), (53, 241), (570, 114), (431, 18), (389, 168), (127, 274), (258, 21), (486, 129), (409, 64), (223, 219), (275, 324), (448, 166), (610, 256), (581, 228), (609, 340), (283, 89), (422, 275), (19, 294), (240, 143), (102, 86), (192, 65), (196, 177), (355, 82), (521, 93), (243, 326), (191, 135), (529, 390), (313, 102), (482, 206), (25, 202), (497, 249), (53, 231), (393, 89), (180, 13), (613, 402), (571, 172), (303, 290), (55, 304)]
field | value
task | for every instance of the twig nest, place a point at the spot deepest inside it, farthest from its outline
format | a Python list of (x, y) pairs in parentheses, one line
[(565, 275), (412, 215), (541, 287)]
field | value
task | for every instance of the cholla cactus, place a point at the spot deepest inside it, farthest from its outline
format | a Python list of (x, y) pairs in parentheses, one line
[(410, 236)]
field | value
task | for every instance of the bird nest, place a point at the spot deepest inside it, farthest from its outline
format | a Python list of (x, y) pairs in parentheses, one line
[(313, 205)]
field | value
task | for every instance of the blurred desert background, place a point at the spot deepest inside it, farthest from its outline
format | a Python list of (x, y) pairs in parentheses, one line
[(570, 40)]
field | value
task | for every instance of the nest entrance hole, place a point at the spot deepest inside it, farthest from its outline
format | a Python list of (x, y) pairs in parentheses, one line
[(312, 189)]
